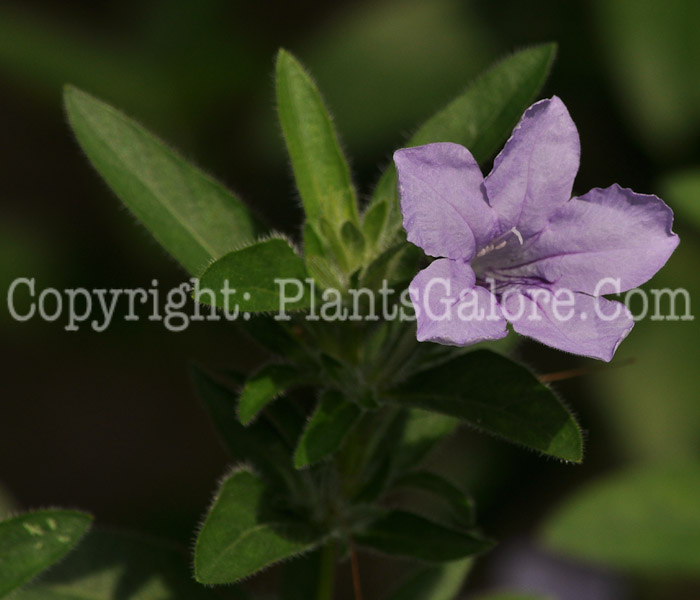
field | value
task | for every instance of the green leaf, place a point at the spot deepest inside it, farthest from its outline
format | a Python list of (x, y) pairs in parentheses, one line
[(496, 395), (238, 539), (320, 169), (402, 533), (373, 221), (109, 565), (434, 583), (479, 119), (644, 519), (192, 216), (266, 276), (460, 505), (682, 192), (332, 420), (263, 387), (259, 443), (354, 241), (32, 542)]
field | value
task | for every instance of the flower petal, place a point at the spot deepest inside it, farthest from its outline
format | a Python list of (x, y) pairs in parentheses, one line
[(450, 309), (568, 321), (607, 234), (443, 201), (534, 173)]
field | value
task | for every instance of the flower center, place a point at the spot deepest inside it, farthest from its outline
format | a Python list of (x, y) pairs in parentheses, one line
[(500, 242)]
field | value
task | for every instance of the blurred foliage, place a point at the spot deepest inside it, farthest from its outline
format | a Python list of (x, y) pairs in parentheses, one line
[(644, 519), (652, 49)]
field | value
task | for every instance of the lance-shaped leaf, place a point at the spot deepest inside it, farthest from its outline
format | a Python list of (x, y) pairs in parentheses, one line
[(238, 539), (405, 534), (645, 519), (320, 169), (263, 387), (496, 395), (32, 542), (259, 444), (108, 565), (332, 420), (460, 505), (192, 216), (266, 276), (434, 583), (479, 119)]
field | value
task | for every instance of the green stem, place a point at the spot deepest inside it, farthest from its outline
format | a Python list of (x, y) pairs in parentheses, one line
[(326, 575)]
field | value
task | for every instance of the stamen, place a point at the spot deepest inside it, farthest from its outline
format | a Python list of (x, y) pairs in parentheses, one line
[(496, 245), (518, 235)]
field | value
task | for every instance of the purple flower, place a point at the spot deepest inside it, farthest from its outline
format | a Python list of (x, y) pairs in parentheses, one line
[(515, 247)]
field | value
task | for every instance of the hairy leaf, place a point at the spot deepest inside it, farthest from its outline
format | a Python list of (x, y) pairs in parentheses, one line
[(496, 395), (192, 216), (32, 542), (238, 540)]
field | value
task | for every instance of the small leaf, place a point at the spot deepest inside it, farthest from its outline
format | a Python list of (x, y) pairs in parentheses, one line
[(458, 502), (109, 565), (263, 387), (645, 519), (32, 542), (331, 422), (405, 534), (236, 540), (498, 396), (259, 443), (192, 216), (354, 242), (320, 169), (434, 583), (480, 119), (265, 276)]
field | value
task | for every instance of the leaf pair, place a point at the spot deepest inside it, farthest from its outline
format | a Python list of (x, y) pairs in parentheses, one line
[(239, 539)]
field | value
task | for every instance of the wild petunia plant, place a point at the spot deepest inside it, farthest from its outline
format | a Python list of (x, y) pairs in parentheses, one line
[(311, 481)]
